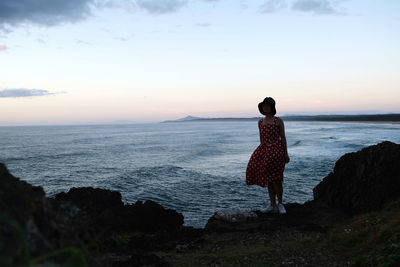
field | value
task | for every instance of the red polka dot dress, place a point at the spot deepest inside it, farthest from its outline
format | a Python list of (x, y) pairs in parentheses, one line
[(267, 162)]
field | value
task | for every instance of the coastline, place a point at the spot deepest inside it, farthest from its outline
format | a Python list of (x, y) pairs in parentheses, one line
[(373, 118), (370, 122), (92, 226)]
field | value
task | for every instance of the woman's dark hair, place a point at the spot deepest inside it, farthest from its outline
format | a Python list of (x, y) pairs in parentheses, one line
[(270, 102)]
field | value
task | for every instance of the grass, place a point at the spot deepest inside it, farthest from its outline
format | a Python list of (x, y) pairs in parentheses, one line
[(73, 256), (255, 255), (371, 239), (239, 249)]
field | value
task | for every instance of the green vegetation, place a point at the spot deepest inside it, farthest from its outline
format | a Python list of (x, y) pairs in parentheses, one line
[(122, 240), (253, 255), (371, 239), (71, 256), (245, 249)]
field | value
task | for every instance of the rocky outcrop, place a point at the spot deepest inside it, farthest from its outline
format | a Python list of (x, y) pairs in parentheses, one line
[(32, 225), (313, 216), (26, 217), (363, 181), (107, 212)]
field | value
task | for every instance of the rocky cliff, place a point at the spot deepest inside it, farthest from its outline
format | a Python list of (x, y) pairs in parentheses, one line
[(363, 181), (34, 228)]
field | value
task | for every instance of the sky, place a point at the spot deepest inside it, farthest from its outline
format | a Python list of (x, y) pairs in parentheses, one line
[(109, 61)]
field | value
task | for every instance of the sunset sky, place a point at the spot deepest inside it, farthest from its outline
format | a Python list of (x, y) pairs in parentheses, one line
[(93, 61)]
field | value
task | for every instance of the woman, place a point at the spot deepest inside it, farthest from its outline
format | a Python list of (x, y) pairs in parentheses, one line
[(266, 164)]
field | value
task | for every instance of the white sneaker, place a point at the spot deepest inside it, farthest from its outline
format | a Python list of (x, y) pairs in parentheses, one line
[(270, 209), (281, 208)]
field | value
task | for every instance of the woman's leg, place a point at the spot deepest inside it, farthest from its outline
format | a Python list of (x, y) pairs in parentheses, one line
[(272, 194), (278, 189)]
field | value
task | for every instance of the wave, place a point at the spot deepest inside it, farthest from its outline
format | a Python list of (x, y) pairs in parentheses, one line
[(45, 157), (295, 143), (354, 147)]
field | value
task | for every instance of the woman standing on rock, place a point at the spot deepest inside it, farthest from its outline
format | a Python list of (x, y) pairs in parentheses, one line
[(266, 164)]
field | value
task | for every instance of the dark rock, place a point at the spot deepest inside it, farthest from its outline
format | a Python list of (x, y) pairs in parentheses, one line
[(106, 212), (26, 218), (91, 198), (312, 216), (18, 199), (150, 216), (33, 225), (363, 181)]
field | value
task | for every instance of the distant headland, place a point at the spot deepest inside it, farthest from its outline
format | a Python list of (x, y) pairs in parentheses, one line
[(387, 118)]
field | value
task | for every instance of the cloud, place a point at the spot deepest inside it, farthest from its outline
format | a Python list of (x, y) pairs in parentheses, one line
[(204, 24), (272, 6), (157, 7), (43, 12), (315, 6), (244, 4), (53, 12), (321, 7), (124, 38), (210, 1), (82, 42), (12, 93), (2, 47)]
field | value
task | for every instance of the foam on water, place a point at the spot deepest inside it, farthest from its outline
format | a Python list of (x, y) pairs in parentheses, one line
[(193, 167)]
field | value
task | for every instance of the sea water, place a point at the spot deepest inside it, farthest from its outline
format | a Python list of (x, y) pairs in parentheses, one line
[(195, 168)]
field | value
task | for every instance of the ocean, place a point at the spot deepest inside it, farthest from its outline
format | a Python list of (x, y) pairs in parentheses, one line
[(195, 168)]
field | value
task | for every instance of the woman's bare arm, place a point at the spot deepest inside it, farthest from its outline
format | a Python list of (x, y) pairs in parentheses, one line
[(283, 139), (259, 129)]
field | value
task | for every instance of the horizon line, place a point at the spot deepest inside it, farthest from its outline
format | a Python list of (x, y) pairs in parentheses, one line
[(127, 122)]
